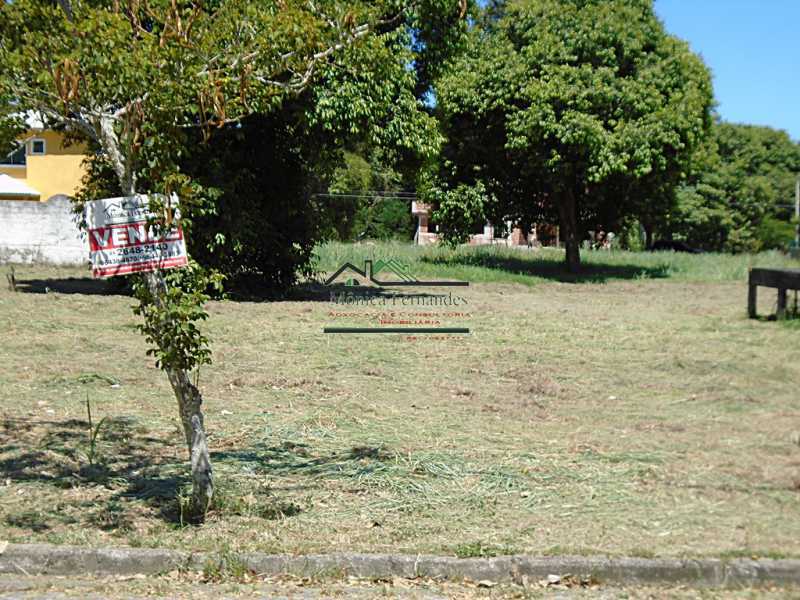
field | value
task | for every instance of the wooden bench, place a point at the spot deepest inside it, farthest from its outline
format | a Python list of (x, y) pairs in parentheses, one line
[(783, 279)]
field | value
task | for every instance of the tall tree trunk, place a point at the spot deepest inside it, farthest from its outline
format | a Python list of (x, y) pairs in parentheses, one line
[(568, 210)]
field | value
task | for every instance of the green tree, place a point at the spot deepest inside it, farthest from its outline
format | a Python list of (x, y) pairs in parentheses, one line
[(568, 107), (136, 79), (269, 168), (263, 226), (437, 36), (740, 191), (11, 126), (367, 199), (267, 216)]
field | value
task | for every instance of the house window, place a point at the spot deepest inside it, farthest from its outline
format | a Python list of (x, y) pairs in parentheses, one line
[(37, 147)]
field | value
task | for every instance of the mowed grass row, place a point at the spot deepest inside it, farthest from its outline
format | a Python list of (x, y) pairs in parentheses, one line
[(641, 416)]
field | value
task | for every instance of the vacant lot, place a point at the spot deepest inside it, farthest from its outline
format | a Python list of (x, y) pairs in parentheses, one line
[(631, 411)]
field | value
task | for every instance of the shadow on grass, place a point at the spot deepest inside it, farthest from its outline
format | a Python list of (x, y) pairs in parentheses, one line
[(115, 286), (291, 459), (127, 462), (553, 269), (790, 319), (118, 286), (131, 471)]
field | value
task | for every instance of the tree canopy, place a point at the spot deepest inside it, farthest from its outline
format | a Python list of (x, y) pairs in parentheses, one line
[(561, 107), (739, 196)]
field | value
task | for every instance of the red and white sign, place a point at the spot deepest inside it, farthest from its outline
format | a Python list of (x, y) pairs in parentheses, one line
[(121, 242)]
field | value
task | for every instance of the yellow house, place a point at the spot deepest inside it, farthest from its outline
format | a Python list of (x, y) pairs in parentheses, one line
[(42, 167)]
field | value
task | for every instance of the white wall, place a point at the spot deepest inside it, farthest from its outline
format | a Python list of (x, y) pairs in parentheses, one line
[(41, 232)]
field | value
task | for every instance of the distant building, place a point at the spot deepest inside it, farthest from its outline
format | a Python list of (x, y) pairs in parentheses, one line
[(36, 181), (517, 237), (42, 166)]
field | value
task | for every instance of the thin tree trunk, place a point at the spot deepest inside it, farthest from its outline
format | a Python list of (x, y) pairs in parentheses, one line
[(567, 209), (648, 235), (188, 396), (190, 403)]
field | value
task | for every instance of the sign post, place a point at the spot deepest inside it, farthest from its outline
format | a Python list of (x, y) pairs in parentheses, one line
[(122, 242)]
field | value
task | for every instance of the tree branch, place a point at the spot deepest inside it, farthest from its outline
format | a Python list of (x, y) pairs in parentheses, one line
[(66, 6)]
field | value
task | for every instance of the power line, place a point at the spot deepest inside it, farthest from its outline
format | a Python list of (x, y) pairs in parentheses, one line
[(367, 195)]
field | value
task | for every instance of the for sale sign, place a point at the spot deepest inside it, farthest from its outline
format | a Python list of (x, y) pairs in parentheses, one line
[(122, 242)]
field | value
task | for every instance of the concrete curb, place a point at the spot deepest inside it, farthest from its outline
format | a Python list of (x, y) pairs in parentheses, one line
[(46, 559)]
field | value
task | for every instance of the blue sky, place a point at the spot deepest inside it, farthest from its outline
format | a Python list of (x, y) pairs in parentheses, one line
[(753, 50)]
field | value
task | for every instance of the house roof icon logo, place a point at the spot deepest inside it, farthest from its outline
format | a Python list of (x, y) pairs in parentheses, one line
[(398, 271)]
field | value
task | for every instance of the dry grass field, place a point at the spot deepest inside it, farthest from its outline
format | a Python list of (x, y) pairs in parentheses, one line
[(633, 411)]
